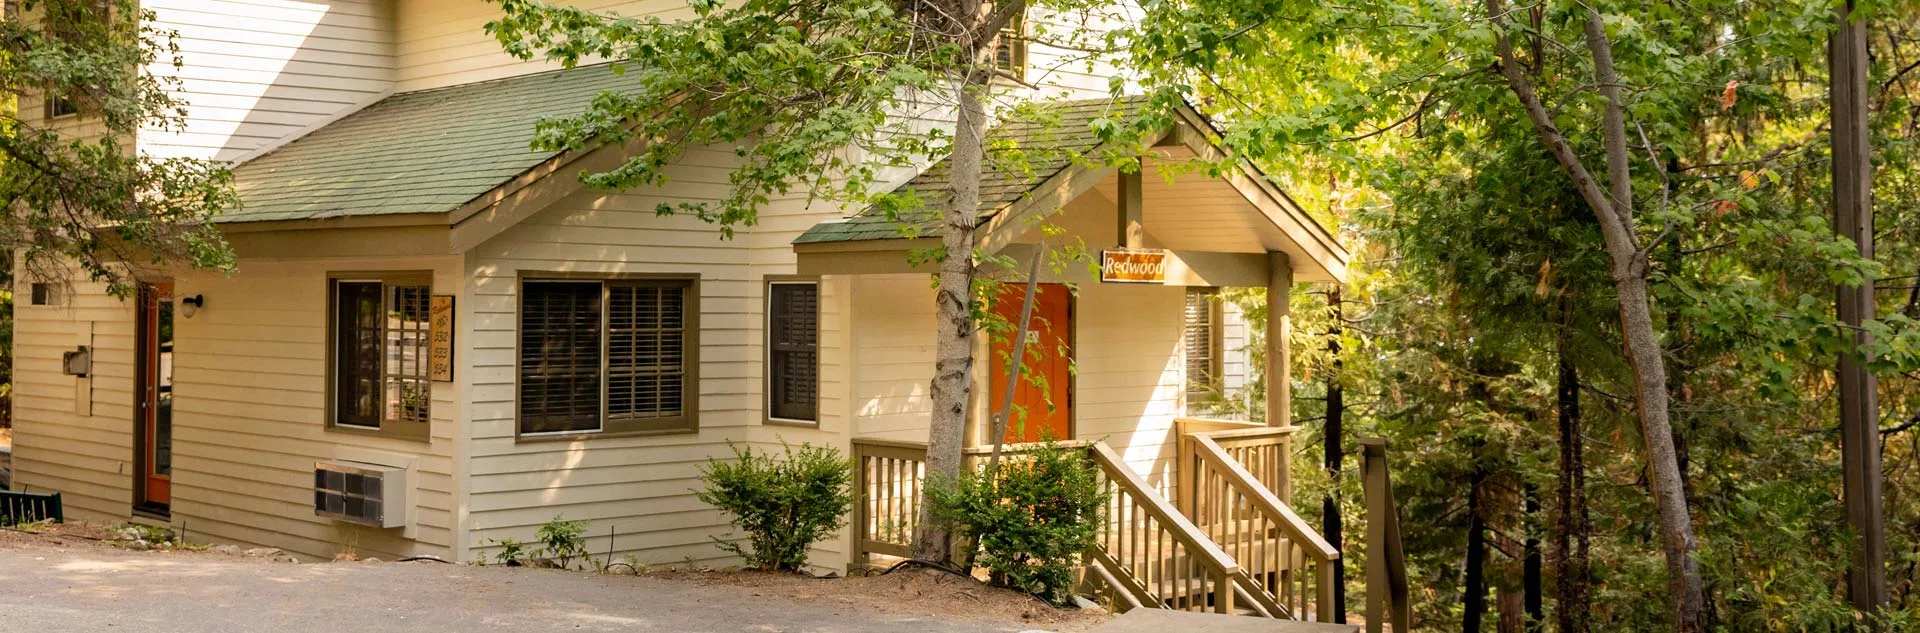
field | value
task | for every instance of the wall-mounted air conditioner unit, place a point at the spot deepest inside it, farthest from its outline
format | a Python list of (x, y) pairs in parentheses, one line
[(368, 494)]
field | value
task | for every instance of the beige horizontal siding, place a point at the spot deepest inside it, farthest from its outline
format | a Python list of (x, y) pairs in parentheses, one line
[(249, 417), (74, 435), (442, 42), (639, 489), (253, 72), (892, 357)]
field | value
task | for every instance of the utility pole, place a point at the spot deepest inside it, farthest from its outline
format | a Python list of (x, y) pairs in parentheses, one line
[(1858, 392)]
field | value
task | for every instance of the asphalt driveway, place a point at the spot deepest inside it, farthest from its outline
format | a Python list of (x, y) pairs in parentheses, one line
[(48, 590)]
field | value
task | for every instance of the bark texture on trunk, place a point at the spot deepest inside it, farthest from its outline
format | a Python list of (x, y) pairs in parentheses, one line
[(1572, 575), (1475, 594), (952, 388), (1857, 389), (1334, 454), (1530, 567), (1614, 210)]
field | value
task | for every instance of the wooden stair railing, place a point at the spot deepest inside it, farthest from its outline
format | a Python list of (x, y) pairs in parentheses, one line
[(1283, 555), (1147, 553), (1145, 538), (889, 477), (1387, 596)]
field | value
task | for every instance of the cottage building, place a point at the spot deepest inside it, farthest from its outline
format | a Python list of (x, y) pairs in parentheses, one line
[(437, 338)]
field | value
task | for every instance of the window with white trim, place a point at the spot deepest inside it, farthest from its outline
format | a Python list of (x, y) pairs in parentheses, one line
[(793, 351), (606, 356), (379, 328)]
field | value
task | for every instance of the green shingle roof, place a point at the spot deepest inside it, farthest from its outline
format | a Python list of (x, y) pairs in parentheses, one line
[(1021, 154), (429, 151)]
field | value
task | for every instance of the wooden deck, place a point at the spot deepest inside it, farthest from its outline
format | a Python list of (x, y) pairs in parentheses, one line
[(1230, 545)]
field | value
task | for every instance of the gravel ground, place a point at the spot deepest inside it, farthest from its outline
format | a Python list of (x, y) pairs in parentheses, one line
[(57, 585)]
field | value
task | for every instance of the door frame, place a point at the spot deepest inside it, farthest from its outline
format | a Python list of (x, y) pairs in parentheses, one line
[(146, 393), (997, 380)]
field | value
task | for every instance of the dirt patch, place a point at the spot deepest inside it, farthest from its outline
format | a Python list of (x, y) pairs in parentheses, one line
[(84, 537), (911, 592)]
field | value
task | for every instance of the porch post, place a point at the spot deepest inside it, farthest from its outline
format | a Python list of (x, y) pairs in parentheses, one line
[(1279, 332), (1132, 230)]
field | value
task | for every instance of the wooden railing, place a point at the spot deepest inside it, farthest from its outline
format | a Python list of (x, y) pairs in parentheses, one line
[(1284, 555), (887, 480), (1387, 595), (1265, 451), (1147, 552), (1153, 551)]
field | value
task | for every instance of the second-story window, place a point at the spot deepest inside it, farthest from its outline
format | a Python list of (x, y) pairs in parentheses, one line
[(1010, 46), (60, 107)]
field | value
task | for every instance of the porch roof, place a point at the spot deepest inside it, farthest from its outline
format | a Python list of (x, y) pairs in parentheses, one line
[(1056, 159), (427, 151), (1022, 154)]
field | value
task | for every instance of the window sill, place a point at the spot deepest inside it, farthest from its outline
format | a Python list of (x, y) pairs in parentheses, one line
[(802, 424), (576, 437), (423, 436)]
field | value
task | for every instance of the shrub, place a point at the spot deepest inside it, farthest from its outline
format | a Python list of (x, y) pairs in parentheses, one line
[(563, 541), (784, 505), (511, 551), (1030, 518)]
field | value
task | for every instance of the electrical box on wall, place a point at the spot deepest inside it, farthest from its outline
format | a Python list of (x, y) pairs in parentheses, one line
[(78, 362)]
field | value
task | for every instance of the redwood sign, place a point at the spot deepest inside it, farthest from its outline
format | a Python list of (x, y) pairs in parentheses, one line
[(1141, 266)]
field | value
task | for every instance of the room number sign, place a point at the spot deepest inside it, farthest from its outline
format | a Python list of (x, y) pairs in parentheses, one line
[(440, 338)]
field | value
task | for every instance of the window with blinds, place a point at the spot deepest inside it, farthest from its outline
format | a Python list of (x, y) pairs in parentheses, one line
[(379, 371), (1202, 341), (793, 351), (1010, 46), (606, 356), (646, 352)]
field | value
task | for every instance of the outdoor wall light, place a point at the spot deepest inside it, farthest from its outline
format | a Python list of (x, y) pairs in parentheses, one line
[(191, 305)]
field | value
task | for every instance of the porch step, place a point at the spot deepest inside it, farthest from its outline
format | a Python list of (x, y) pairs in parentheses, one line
[(1162, 621)]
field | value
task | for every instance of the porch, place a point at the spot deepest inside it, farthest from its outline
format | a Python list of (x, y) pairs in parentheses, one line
[(1223, 539), (1200, 518)]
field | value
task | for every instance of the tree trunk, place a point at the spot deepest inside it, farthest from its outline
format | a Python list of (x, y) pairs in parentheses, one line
[(1475, 596), (953, 347), (1334, 445), (1571, 574), (1614, 210), (1513, 618), (1530, 566), (1857, 391)]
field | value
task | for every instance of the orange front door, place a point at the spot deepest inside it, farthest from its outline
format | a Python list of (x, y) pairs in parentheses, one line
[(154, 425), (1042, 404)]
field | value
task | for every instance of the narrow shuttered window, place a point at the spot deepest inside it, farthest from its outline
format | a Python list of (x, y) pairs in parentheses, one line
[(793, 351), (559, 356), (606, 356), (1202, 341), (379, 374)]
